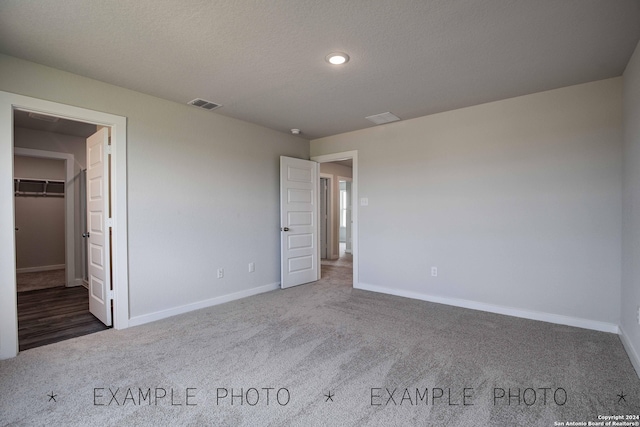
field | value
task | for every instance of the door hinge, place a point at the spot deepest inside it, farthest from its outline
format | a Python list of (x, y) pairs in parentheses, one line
[(110, 294), (108, 149), (110, 222)]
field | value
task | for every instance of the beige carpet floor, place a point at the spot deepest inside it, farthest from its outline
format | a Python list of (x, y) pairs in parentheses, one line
[(324, 354), (40, 280)]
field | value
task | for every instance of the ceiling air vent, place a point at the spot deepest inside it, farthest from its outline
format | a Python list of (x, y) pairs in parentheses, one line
[(383, 118), (203, 103)]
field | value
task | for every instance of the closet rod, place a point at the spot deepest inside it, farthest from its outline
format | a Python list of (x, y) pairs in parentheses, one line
[(33, 194)]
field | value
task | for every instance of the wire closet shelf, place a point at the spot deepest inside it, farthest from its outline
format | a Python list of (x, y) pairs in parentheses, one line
[(38, 187)]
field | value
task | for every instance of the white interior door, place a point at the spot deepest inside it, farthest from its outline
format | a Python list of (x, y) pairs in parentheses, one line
[(100, 294), (298, 221)]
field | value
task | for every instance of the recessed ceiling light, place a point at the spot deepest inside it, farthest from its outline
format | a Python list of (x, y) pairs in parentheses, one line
[(337, 58)]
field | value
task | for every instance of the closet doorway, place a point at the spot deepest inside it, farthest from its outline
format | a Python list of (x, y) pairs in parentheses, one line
[(114, 198), (50, 229)]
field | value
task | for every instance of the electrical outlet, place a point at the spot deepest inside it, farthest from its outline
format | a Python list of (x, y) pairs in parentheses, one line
[(252, 267), (434, 271), (220, 273)]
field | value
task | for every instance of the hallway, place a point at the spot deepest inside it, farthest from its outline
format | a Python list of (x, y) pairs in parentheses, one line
[(339, 270)]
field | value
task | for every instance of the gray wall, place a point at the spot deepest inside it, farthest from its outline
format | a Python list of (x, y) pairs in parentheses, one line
[(37, 168), (631, 208), (517, 202), (203, 189), (40, 220)]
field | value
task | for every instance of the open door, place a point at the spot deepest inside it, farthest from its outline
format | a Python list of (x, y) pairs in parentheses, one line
[(298, 221), (100, 294)]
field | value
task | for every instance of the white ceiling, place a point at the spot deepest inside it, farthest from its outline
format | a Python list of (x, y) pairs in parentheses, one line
[(264, 60)]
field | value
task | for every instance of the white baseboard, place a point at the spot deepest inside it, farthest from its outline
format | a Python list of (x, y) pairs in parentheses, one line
[(41, 268), (509, 311), (631, 351), (158, 315)]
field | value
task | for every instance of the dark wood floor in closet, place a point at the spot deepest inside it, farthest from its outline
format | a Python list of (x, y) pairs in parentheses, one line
[(50, 315)]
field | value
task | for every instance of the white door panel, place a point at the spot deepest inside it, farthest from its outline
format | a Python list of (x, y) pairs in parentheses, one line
[(300, 241), (298, 221), (97, 212)]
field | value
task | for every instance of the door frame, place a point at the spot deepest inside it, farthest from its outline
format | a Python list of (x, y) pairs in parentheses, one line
[(119, 260), (334, 157), (69, 206)]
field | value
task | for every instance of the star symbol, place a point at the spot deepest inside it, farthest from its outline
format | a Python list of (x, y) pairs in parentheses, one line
[(52, 397), (621, 397), (329, 397)]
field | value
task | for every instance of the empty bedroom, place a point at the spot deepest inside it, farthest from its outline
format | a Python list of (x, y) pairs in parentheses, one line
[(414, 212)]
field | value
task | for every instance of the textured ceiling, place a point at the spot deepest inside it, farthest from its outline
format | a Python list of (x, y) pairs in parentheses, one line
[(264, 60)]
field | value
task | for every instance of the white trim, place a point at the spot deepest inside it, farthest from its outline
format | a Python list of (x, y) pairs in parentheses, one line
[(40, 268), (631, 351), (69, 204), (8, 294), (508, 311), (354, 197), (159, 315)]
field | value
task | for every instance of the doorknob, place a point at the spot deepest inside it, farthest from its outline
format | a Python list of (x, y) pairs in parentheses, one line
[(285, 229), (85, 234)]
